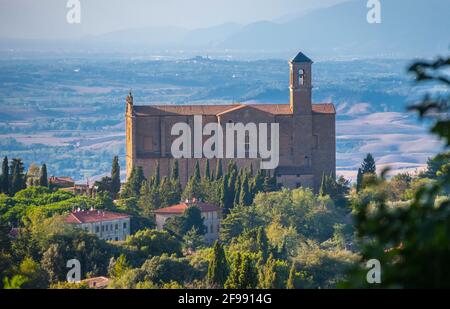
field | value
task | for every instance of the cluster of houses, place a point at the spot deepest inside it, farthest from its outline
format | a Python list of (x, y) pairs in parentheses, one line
[(113, 226)]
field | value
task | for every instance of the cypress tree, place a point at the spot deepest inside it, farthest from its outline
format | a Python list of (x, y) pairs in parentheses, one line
[(17, 176), (43, 178), (149, 199), (115, 177), (4, 185), (245, 197), (359, 179), (207, 171), (223, 194), (237, 188), (134, 183), (175, 174), (233, 278), (219, 172), (157, 175), (248, 278), (258, 182), (322, 186), (197, 175), (368, 165), (263, 243), (230, 180), (269, 275), (218, 267), (292, 277), (270, 183)]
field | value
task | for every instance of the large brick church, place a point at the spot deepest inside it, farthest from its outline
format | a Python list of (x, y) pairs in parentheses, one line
[(307, 132)]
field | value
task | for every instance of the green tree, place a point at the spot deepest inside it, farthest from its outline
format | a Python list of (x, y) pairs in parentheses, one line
[(165, 269), (245, 196), (115, 177), (4, 179), (194, 219), (104, 185), (411, 243), (151, 242), (248, 278), (17, 176), (219, 172), (273, 274), (149, 199), (16, 282), (207, 171), (229, 190), (435, 164), (270, 183), (291, 284), (175, 174), (197, 175), (359, 180), (118, 267), (193, 188), (218, 267), (193, 240), (297, 279), (180, 225), (43, 177), (170, 192), (232, 281), (157, 174), (36, 276), (368, 166), (336, 189), (263, 243), (133, 186)]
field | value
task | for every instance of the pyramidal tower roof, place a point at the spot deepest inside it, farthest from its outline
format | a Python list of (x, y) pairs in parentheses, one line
[(301, 57)]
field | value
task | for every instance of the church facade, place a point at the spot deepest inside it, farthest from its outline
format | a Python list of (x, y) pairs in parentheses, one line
[(307, 133)]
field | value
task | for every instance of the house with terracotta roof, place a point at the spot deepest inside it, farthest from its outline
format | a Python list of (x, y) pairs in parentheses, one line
[(106, 225), (61, 182), (211, 215), (97, 282), (307, 133)]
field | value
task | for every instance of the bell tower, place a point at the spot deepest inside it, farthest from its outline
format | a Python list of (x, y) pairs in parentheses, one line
[(301, 109), (300, 84)]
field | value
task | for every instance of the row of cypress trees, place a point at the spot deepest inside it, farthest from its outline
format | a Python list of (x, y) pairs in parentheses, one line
[(234, 187)]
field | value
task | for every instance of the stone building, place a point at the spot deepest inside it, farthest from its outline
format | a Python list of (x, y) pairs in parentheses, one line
[(211, 215), (307, 135), (106, 225)]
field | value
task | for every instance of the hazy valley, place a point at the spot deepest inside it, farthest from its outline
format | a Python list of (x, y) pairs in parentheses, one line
[(69, 112)]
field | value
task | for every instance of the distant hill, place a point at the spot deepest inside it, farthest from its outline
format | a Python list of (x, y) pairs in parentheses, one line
[(409, 28)]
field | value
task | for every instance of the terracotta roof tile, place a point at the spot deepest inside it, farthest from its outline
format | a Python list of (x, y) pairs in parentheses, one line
[(87, 216), (180, 208), (189, 110)]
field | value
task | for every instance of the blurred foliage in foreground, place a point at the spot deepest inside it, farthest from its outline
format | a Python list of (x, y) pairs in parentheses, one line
[(412, 242)]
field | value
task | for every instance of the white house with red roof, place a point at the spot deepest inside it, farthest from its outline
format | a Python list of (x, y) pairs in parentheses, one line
[(211, 215), (106, 225)]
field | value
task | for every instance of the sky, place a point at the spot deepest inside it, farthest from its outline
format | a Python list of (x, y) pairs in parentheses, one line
[(46, 19)]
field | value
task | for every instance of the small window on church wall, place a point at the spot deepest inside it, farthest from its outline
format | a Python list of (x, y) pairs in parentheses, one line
[(301, 77), (315, 141)]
